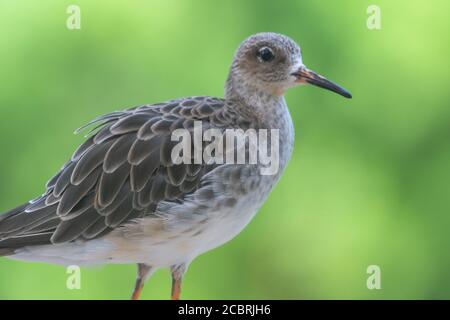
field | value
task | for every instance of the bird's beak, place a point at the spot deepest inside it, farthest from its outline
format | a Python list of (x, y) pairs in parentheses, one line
[(305, 75)]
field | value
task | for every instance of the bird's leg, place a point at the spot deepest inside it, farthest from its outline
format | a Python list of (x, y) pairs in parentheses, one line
[(143, 273), (177, 276)]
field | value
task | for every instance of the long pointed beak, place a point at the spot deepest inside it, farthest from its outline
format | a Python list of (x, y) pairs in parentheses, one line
[(305, 75)]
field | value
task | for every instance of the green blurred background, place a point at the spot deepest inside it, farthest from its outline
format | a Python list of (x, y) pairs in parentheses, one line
[(368, 183)]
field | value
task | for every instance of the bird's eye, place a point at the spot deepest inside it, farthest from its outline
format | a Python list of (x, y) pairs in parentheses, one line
[(265, 54)]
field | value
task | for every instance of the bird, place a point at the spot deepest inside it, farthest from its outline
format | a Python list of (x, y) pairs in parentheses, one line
[(122, 199)]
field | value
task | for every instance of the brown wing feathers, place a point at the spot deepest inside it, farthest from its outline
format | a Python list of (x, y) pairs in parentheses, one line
[(120, 172)]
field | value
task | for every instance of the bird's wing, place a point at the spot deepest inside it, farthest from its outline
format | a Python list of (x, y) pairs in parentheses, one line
[(119, 173)]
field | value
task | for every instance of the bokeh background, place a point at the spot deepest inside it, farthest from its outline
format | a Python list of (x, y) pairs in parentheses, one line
[(369, 180)]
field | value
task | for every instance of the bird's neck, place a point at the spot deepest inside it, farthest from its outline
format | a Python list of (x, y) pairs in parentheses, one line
[(262, 104), (270, 112)]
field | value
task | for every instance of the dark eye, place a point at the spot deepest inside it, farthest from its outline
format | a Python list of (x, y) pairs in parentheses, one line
[(265, 54)]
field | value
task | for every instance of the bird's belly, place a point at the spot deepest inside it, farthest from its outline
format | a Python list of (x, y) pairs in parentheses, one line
[(223, 227), (164, 247)]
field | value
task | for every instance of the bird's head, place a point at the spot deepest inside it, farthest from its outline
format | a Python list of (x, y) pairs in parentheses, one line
[(271, 63)]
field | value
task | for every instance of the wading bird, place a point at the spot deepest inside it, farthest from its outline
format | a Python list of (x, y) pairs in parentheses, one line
[(121, 199)]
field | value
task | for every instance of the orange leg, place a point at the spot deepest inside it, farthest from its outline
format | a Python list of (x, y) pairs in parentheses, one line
[(137, 290), (177, 276), (176, 289), (144, 271)]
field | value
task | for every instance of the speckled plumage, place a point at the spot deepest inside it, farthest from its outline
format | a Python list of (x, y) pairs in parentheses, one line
[(120, 199)]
